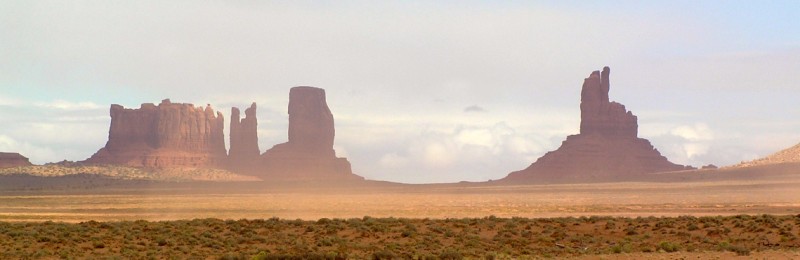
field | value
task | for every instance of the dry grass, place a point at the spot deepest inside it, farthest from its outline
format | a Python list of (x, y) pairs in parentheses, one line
[(385, 238)]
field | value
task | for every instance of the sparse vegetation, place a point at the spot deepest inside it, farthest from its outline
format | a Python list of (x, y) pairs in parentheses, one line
[(393, 238), (128, 173)]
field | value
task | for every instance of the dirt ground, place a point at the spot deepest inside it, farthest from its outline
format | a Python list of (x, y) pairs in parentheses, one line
[(780, 195), (26, 215)]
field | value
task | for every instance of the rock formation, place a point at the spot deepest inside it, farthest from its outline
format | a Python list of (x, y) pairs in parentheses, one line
[(244, 149), (309, 154), (599, 115), (607, 148), (167, 135), (8, 160)]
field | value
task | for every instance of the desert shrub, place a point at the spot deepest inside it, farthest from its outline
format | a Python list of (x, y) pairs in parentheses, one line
[(450, 255), (692, 227), (631, 230), (667, 247), (98, 244), (231, 257), (610, 225), (739, 250), (382, 255), (324, 221), (621, 248)]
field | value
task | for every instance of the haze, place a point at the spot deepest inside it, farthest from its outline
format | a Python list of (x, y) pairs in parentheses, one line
[(421, 92)]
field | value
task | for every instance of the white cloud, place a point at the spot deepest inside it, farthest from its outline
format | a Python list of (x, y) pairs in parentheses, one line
[(66, 105), (393, 160), (697, 132), (448, 154), (696, 139)]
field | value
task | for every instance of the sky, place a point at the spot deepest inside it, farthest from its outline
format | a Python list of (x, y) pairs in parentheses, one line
[(421, 91)]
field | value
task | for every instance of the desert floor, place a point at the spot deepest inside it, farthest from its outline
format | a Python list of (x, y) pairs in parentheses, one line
[(779, 195), (408, 221)]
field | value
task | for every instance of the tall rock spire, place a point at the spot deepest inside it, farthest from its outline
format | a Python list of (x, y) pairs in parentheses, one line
[(244, 137), (598, 114), (607, 148)]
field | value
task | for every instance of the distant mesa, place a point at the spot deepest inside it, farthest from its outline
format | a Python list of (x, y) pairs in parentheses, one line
[(8, 160), (167, 135), (309, 154), (606, 149)]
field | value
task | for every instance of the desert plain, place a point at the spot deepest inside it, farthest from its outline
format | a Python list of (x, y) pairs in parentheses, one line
[(685, 215)]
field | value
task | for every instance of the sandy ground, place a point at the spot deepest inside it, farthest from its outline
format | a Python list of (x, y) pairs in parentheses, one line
[(779, 195)]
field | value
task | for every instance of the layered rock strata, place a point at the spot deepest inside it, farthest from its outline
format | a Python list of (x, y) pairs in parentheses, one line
[(8, 160), (166, 135), (606, 149), (309, 153)]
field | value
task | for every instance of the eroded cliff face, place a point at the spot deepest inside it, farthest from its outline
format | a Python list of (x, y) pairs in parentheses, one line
[(607, 148), (167, 135), (8, 160), (309, 153)]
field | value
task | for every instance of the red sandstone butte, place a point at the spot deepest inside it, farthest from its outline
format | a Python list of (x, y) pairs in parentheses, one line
[(309, 154), (244, 151), (607, 148), (8, 160), (167, 135)]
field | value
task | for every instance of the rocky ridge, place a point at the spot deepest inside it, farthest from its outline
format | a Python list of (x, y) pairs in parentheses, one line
[(789, 155)]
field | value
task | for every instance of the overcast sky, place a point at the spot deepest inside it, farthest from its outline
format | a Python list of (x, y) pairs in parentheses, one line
[(421, 91)]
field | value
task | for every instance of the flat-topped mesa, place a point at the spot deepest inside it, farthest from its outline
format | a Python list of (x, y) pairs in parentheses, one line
[(598, 114), (244, 149), (607, 148), (309, 154), (8, 160), (167, 135)]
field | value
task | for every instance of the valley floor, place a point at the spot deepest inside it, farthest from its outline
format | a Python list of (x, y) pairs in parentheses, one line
[(95, 217)]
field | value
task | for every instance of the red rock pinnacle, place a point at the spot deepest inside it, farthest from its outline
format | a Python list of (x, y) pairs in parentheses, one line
[(244, 138), (607, 148)]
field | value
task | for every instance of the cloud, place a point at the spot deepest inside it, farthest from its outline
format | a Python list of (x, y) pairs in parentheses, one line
[(695, 140), (697, 132), (460, 152), (474, 108), (66, 105)]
